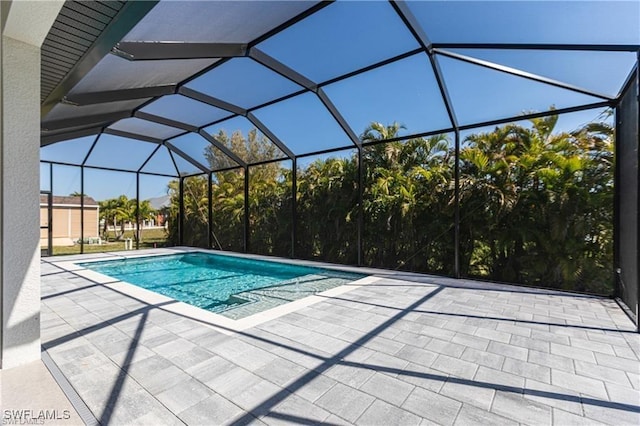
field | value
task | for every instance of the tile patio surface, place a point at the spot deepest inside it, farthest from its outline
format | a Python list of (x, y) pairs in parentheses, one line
[(404, 349)]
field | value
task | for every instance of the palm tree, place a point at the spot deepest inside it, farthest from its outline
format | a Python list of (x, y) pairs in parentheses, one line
[(379, 132), (110, 211), (228, 209), (123, 214), (195, 211), (382, 154), (536, 205), (139, 213), (408, 196), (327, 201)]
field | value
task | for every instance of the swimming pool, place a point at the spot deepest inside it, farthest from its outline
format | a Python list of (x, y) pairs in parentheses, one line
[(231, 286)]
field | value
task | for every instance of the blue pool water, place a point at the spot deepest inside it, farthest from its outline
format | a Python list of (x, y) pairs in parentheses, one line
[(233, 286)]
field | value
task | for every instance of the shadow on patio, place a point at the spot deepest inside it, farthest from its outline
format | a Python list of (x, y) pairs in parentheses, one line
[(434, 374)]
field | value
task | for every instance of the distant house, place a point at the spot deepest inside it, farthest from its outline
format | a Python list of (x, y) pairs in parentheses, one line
[(161, 206), (66, 216)]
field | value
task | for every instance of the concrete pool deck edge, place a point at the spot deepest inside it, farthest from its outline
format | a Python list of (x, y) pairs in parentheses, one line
[(229, 326), (219, 322)]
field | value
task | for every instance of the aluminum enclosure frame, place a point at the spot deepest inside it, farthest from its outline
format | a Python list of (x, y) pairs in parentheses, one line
[(155, 51)]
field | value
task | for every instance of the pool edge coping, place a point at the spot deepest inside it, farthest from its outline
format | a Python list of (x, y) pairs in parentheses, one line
[(218, 322), (69, 263)]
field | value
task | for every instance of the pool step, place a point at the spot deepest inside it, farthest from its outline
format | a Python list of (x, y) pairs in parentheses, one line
[(269, 297)]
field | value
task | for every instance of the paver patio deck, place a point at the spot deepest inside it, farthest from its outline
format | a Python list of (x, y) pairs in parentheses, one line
[(404, 349)]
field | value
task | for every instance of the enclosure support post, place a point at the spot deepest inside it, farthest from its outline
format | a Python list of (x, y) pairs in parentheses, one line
[(210, 211), (617, 291), (360, 205), (81, 209), (626, 235), (456, 237), (246, 209), (138, 234), (181, 213), (294, 204), (637, 99), (50, 210)]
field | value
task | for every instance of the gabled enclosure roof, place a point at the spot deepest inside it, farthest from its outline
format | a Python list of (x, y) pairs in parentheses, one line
[(166, 83)]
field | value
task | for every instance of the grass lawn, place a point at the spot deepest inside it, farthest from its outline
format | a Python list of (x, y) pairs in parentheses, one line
[(150, 238)]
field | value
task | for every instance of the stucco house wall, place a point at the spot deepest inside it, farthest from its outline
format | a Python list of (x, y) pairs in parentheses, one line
[(66, 220)]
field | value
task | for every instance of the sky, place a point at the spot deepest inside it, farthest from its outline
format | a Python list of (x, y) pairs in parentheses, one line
[(349, 35)]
